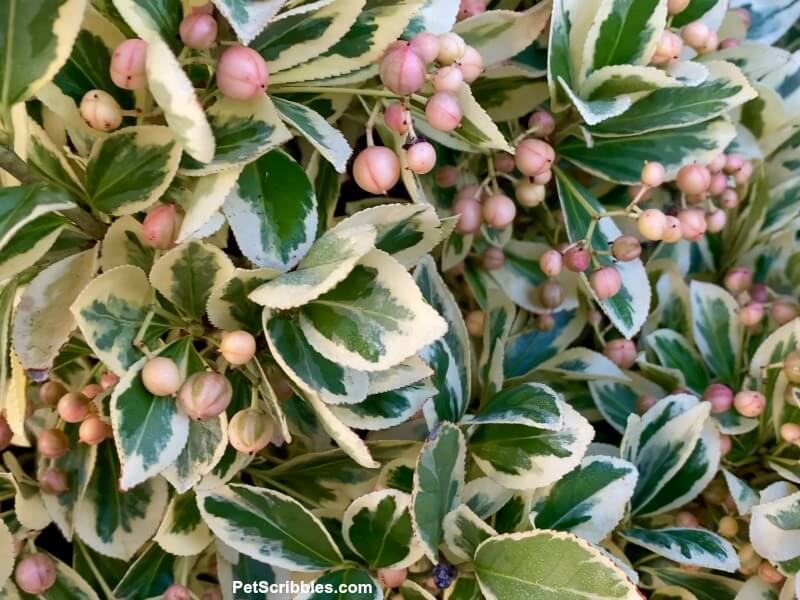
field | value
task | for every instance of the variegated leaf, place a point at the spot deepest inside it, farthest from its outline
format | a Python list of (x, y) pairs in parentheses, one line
[(125, 244), (615, 80), (529, 404), (775, 527), (695, 547), (205, 445), (464, 531), (229, 307), (23, 205), (248, 18), (498, 319), (505, 93), (387, 409), (48, 161), (717, 329), (183, 531)]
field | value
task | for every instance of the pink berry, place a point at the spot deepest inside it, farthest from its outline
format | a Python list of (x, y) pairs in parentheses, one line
[(725, 444), (443, 111), (128, 65), (470, 8), (92, 390), (719, 183), (475, 321), (177, 592), (749, 403), (392, 578), (101, 111), (693, 179), (645, 403), (782, 311), (544, 322), (675, 7), (606, 282), (696, 34), (421, 157), (653, 174), (551, 294), (733, 163), (759, 292), (73, 407), (499, 211), (242, 73), (577, 259), (769, 574), (652, 224), (5, 433), (198, 31), (108, 380), (472, 191), (376, 169), (693, 224), (751, 314), (162, 225), (205, 395), (470, 214), (729, 198), (530, 194), (426, 45), (451, 48), (503, 162), (534, 156), (626, 248), (52, 443), (790, 432), (543, 178), (471, 64), (551, 262), (161, 376), (447, 176), (448, 79), (791, 367), (238, 347), (744, 174), (50, 392), (738, 279), (397, 118), (493, 258), (716, 220), (35, 574), (544, 122), (673, 231), (621, 352), (720, 396), (402, 70), (712, 43), (687, 520), (93, 430), (729, 43), (250, 430), (669, 48), (53, 481), (746, 16), (717, 163)]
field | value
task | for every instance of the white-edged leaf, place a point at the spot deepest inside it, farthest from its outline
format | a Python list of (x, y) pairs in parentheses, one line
[(688, 546), (717, 329), (530, 404), (248, 17), (775, 527), (183, 531), (464, 531)]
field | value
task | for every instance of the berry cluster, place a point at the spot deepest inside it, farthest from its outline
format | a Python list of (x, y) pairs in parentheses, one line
[(756, 298)]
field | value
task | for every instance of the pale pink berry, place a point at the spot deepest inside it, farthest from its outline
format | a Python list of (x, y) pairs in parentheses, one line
[(177, 592), (645, 403), (426, 45), (577, 259), (94, 430), (470, 8), (402, 70), (50, 392), (696, 34), (672, 230), (791, 367), (746, 15), (493, 258), (471, 64), (729, 43), (544, 322), (652, 224), (92, 390), (499, 211), (242, 73), (744, 174), (782, 310), (397, 118), (451, 48), (716, 220), (161, 376), (52, 443), (551, 262), (421, 157), (749, 403), (769, 574), (101, 111), (250, 430), (475, 321), (5, 433), (733, 163), (687, 520), (712, 43), (162, 225), (447, 176), (443, 111), (198, 31), (448, 79), (551, 294), (728, 526), (693, 224), (392, 578), (725, 444), (693, 179), (621, 352), (626, 248), (376, 169), (675, 7), (729, 198), (73, 407), (544, 122), (669, 48), (128, 65), (530, 194), (503, 162), (717, 163), (720, 396), (35, 574), (53, 481), (543, 178), (759, 292), (751, 314), (534, 156), (790, 432), (653, 174), (738, 279), (238, 347), (471, 190), (470, 214), (606, 282), (719, 183), (108, 380), (205, 395)]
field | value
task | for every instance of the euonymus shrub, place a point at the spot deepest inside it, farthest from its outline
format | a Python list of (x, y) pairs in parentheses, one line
[(465, 300)]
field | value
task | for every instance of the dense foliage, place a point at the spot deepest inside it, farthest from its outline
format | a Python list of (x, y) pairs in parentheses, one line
[(454, 299)]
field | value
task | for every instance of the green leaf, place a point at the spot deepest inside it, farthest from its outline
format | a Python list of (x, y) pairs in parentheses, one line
[(438, 485), (465, 587), (149, 576), (377, 527), (668, 107), (464, 531), (530, 404), (155, 18), (695, 547), (521, 457), (616, 400), (318, 132), (113, 522), (150, 431), (131, 168), (693, 12), (589, 501), (111, 310), (548, 563), (39, 35), (183, 531), (676, 352), (621, 159), (273, 211), (628, 309), (186, 275), (43, 322), (248, 18), (349, 576), (717, 330), (775, 527), (269, 527)]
